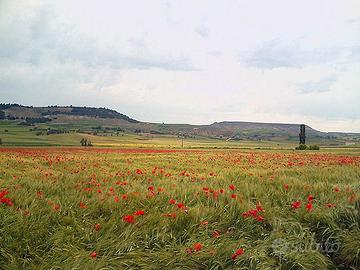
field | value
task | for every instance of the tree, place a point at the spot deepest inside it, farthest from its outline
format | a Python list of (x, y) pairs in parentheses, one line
[(0, 141), (83, 142), (2, 114)]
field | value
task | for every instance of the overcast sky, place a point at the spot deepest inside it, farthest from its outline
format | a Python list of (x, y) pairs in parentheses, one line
[(188, 61)]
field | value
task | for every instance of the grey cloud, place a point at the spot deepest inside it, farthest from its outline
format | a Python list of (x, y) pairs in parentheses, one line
[(275, 55), (354, 20), (355, 54), (38, 39), (322, 85), (137, 42), (332, 109), (202, 31), (215, 53)]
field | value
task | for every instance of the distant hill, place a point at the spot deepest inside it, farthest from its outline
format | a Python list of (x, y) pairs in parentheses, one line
[(16, 111), (103, 121)]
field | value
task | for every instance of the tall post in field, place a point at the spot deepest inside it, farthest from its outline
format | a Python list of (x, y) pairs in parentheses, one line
[(302, 134)]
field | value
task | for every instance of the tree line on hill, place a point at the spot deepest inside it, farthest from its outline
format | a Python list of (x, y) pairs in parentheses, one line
[(67, 110)]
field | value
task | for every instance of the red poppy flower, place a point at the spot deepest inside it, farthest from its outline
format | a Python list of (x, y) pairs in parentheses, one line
[(129, 218), (139, 213), (310, 198), (232, 187), (329, 205), (3, 193), (233, 196), (198, 246), (172, 215), (93, 254), (181, 205), (82, 205), (205, 222), (309, 207), (216, 234), (97, 227), (253, 212), (172, 201), (237, 253), (296, 204)]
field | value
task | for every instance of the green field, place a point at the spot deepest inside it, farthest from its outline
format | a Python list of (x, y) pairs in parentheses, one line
[(17, 135), (110, 208), (13, 134)]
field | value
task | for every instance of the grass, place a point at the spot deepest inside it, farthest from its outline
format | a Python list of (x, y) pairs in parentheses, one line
[(59, 196), (13, 134)]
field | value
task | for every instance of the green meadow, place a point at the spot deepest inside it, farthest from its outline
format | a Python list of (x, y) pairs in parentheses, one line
[(111, 208)]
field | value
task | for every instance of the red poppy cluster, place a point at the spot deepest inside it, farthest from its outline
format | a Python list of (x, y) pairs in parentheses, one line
[(309, 205), (5, 200), (179, 205), (131, 218), (214, 193), (254, 213)]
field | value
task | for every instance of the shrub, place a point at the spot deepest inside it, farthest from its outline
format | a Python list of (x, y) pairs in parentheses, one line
[(314, 147), (85, 142), (301, 147)]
